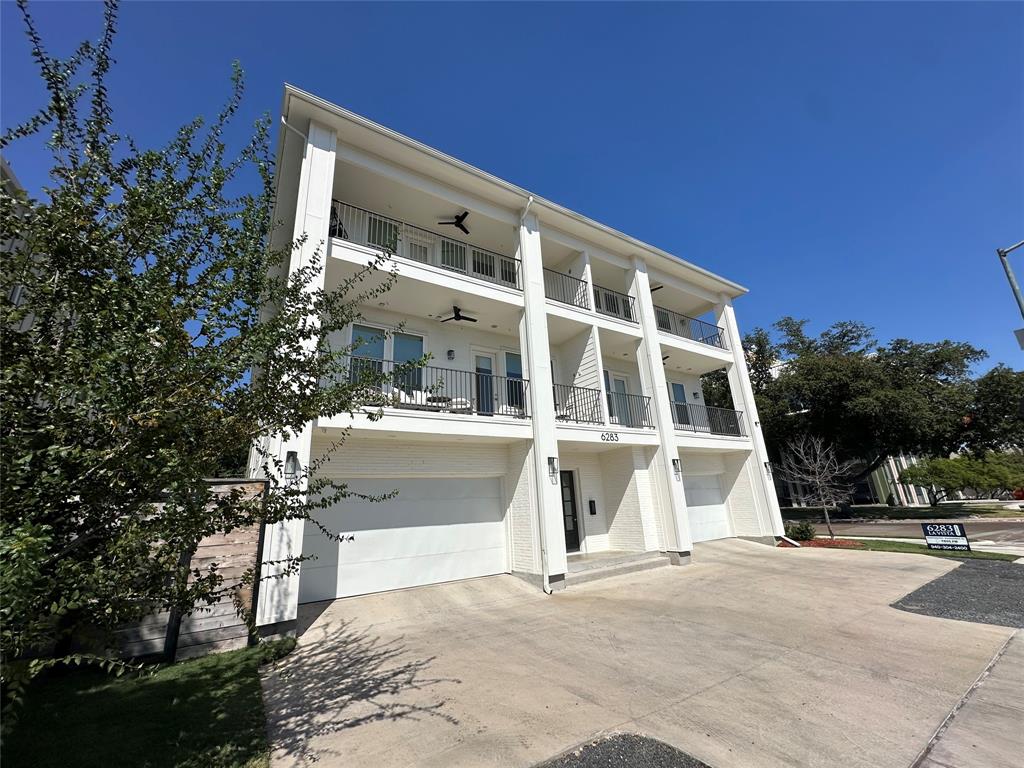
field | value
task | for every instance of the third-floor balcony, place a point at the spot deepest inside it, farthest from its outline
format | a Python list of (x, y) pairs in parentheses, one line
[(358, 225), (689, 328), (615, 304), (566, 289)]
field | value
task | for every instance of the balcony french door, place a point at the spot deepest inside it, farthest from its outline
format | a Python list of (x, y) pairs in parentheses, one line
[(618, 401), (484, 366), (677, 394)]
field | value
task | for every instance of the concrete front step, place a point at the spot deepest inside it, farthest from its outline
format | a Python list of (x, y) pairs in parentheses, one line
[(585, 571)]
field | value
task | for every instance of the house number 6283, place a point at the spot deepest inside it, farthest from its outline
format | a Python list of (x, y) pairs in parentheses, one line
[(610, 437)]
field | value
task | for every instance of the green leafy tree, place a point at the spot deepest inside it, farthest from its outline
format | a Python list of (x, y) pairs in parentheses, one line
[(156, 330), (762, 355), (868, 401), (996, 420), (990, 476)]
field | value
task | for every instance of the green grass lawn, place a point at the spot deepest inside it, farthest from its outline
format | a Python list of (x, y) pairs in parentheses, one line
[(205, 713), (885, 512), (875, 545)]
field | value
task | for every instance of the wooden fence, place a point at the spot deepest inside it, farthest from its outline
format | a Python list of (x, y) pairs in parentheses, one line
[(217, 627)]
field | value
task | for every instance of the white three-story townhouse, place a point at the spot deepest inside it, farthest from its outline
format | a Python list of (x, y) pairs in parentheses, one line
[(560, 422)]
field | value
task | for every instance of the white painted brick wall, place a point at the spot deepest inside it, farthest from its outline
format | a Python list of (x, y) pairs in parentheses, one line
[(359, 457), (736, 483), (646, 496), (590, 486), (625, 528), (522, 509)]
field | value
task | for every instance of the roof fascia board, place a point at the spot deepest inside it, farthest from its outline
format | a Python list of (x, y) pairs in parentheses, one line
[(416, 181), (569, 241), (631, 244)]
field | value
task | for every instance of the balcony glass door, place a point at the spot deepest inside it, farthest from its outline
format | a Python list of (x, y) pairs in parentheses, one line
[(484, 365), (407, 349), (618, 400), (515, 392), (367, 352), (677, 394)]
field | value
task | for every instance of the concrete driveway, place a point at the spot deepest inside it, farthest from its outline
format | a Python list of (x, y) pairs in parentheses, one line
[(749, 657)]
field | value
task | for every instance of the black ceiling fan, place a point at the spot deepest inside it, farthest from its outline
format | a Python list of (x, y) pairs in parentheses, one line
[(666, 357), (458, 221), (457, 315)]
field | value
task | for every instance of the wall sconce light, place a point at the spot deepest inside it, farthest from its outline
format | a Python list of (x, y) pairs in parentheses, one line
[(696, 395), (451, 354), (677, 467), (291, 465), (768, 467), (553, 466)]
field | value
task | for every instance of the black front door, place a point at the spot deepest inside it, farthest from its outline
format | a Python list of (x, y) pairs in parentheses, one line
[(569, 517)]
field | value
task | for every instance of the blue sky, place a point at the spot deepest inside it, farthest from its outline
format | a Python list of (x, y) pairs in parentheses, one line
[(843, 161)]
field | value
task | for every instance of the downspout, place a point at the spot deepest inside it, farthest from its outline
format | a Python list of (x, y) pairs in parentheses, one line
[(545, 581), (305, 138)]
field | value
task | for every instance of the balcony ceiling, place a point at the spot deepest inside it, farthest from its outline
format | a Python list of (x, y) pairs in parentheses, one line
[(362, 188), (419, 299), (686, 362)]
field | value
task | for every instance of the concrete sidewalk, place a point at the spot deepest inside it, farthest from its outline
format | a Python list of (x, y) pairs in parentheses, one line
[(986, 730), (751, 656)]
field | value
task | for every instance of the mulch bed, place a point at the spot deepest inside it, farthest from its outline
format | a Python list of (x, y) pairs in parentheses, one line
[(830, 543)]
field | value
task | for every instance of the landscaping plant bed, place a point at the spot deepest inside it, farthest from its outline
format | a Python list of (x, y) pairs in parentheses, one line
[(829, 543), (880, 545), (834, 543)]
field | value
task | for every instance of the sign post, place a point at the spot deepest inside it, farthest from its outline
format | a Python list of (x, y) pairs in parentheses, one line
[(951, 537)]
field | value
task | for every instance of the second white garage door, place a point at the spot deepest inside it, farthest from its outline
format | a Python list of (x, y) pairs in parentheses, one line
[(705, 504), (434, 530)]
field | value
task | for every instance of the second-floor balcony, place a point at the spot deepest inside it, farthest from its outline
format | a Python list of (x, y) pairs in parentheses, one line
[(376, 230), (440, 390), (689, 327), (630, 410), (708, 419), (578, 404), (615, 304)]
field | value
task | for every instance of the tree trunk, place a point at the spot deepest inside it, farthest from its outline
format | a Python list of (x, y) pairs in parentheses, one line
[(828, 523)]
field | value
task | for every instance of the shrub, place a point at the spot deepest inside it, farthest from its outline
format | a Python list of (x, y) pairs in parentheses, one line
[(801, 531)]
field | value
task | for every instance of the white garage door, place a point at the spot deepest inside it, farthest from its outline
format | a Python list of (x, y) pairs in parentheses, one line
[(434, 530), (709, 516)]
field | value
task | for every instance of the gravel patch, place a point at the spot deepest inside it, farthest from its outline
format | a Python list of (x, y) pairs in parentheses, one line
[(984, 591), (625, 750)]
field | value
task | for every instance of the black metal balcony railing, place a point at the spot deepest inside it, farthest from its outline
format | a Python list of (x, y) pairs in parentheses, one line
[(441, 390), (411, 242), (566, 289), (609, 302), (629, 410), (705, 418), (579, 404), (689, 327)]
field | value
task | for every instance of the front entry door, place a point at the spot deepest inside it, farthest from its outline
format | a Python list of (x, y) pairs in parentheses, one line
[(569, 517)]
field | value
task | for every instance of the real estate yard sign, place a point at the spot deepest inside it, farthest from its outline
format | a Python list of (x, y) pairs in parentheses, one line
[(947, 536)]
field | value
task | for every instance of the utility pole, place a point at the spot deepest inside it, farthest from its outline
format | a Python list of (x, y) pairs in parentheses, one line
[(1014, 285)]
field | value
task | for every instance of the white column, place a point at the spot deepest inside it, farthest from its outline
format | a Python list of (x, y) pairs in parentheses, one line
[(534, 333), (279, 595), (675, 521), (739, 383)]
